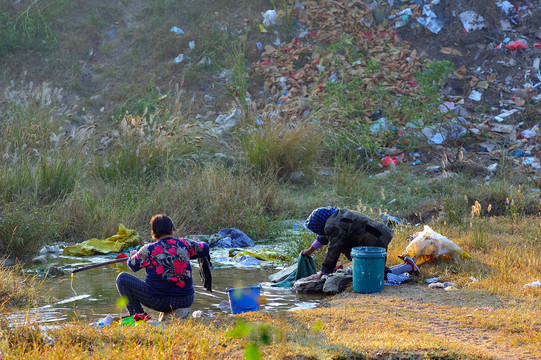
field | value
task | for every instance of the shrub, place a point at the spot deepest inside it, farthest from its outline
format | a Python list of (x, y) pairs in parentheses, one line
[(280, 147)]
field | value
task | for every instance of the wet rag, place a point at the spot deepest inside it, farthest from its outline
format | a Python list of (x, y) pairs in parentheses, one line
[(305, 267), (393, 279), (205, 267), (114, 244)]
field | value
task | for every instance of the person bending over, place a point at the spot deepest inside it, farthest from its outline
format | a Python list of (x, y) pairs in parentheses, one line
[(342, 230)]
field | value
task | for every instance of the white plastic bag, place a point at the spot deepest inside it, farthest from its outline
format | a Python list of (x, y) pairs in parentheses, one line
[(270, 17), (428, 245)]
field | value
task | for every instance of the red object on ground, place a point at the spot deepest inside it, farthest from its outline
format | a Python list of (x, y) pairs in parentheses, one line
[(141, 317), (122, 256), (516, 45), (388, 161)]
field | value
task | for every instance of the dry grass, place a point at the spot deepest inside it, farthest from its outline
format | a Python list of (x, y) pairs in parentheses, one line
[(16, 288), (280, 146), (492, 317)]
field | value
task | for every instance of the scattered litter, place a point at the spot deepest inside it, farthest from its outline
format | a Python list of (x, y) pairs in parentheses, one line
[(224, 118), (49, 249), (200, 314), (536, 283), (401, 18), (432, 280), (471, 20), (501, 117), (430, 20), (428, 245), (446, 286), (191, 44), (447, 106), (475, 95), (224, 305), (176, 30), (392, 221), (269, 17), (517, 45), (505, 6), (179, 58), (103, 322), (433, 168), (388, 161)]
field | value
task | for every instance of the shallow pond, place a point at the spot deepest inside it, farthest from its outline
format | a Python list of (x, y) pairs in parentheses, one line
[(92, 293)]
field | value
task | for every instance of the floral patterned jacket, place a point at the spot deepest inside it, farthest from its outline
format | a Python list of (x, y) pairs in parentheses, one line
[(167, 264)]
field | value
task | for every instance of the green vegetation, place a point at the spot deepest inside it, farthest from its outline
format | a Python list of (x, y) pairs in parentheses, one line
[(67, 174), (27, 25)]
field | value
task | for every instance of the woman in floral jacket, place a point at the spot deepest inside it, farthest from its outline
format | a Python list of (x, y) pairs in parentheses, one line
[(168, 284)]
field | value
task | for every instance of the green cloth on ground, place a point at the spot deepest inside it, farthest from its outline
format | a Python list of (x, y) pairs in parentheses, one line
[(305, 267), (114, 244)]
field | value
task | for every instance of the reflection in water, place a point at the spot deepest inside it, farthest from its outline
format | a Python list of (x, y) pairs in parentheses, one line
[(94, 294)]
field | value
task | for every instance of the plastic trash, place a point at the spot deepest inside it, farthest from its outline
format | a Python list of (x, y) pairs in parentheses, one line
[(430, 20), (176, 30), (428, 245), (179, 58), (103, 322), (388, 161), (269, 17), (475, 95), (127, 321), (224, 305), (401, 18), (391, 221), (192, 44), (516, 45), (505, 6), (471, 20), (536, 283)]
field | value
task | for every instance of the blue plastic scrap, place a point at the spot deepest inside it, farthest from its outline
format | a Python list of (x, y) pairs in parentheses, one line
[(176, 30)]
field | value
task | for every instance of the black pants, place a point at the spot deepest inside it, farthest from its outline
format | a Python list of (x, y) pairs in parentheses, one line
[(137, 293)]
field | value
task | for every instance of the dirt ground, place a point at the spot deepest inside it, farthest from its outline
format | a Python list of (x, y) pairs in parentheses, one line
[(444, 316), (481, 51)]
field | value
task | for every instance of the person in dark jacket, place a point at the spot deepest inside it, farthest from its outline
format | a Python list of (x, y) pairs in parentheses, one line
[(168, 284), (342, 230)]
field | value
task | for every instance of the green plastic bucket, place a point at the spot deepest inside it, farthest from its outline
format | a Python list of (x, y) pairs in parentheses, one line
[(368, 269)]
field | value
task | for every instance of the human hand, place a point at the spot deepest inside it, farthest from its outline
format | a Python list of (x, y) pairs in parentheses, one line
[(133, 252), (315, 276)]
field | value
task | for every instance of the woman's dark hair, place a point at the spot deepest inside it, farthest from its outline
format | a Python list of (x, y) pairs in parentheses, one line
[(161, 225)]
